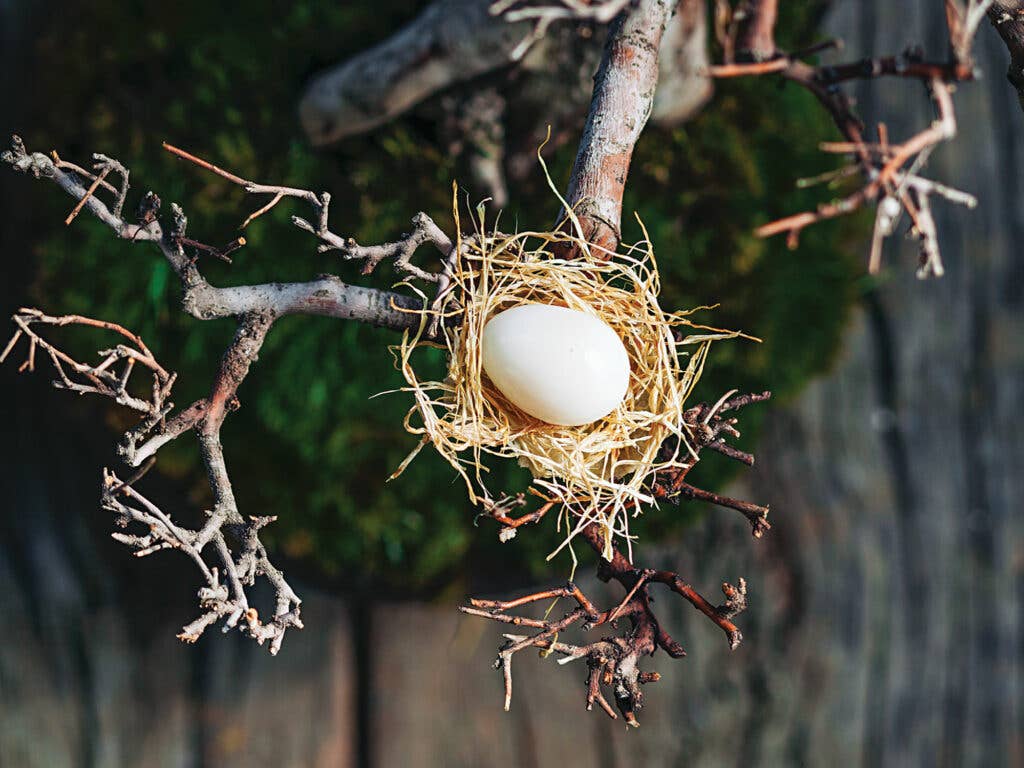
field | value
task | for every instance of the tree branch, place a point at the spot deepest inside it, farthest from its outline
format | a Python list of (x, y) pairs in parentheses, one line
[(232, 538), (450, 42), (613, 661), (890, 171), (112, 377), (400, 252), (102, 378), (327, 295), (453, 43), (757, 39), (623, 97)]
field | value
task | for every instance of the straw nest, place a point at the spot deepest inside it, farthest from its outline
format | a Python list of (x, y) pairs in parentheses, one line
[(596, 472)]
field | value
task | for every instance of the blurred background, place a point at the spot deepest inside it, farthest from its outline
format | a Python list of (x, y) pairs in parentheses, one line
[(886, 602)]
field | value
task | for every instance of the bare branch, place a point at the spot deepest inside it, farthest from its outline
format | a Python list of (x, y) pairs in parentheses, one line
[(623, 97), (219, 601), (102, 378), (400, 251), (613, 661), (890, 171), (327, 295), (206, 416), (226, 549)]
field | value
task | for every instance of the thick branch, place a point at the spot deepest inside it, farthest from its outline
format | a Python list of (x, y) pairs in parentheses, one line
[(452, 42), (623, 96), (449, 42), (757, 40)]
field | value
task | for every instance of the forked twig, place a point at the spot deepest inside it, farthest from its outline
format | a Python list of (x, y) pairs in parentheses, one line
[(890, 171)]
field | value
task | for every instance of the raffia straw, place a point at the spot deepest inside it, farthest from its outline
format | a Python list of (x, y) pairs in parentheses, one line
[(599, 471)]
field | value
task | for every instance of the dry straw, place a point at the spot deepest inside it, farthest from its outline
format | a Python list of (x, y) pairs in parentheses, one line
[(599, 471)]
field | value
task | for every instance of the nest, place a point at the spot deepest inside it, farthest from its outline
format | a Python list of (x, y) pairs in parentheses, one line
[(599, 472)]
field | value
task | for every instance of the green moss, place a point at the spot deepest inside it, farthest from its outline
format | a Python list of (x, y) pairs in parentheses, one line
[(309, 444)]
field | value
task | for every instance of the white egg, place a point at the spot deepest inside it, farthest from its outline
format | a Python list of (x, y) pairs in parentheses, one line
[(559, 365)]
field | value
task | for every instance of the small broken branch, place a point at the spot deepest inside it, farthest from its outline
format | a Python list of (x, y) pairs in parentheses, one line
[(499, 510)]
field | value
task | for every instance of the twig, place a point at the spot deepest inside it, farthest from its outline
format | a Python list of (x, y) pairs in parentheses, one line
[(85, 198), (613, 661), (882, 165), (401, 251)]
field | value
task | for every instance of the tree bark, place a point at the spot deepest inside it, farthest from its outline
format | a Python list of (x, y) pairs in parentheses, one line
[(623, 97)]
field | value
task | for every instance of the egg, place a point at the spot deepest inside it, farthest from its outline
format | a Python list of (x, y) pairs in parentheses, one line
[(559, 365)]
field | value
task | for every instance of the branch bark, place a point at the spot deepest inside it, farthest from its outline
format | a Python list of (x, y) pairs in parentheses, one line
[(451, 41), (623, 97), (757, 39), (454, 41), (501, 73)]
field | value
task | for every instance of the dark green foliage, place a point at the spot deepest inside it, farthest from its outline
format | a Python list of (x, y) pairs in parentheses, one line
[(309, 445)]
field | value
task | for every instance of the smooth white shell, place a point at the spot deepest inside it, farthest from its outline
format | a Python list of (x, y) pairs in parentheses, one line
[(562, 366)]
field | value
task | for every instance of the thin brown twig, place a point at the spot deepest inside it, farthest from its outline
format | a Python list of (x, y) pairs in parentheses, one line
[(204, 164), (85, 198), (613, 661)]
